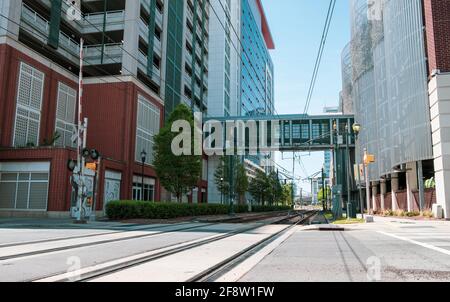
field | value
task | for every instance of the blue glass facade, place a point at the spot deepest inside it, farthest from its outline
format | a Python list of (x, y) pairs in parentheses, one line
[(256, 66), (257, 98)]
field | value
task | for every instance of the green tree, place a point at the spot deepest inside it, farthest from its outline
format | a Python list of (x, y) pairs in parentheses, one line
[(286, 195), (321, 196), (240, 180), (221, 177), (178, 174), (258, 187), (274, 188)]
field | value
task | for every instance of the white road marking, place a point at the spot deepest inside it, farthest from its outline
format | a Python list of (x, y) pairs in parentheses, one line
[(425, 245)]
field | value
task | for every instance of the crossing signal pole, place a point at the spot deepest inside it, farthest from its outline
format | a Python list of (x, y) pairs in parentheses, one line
[(81, 139)]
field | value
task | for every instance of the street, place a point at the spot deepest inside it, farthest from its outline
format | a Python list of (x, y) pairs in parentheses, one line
[(388, 250)]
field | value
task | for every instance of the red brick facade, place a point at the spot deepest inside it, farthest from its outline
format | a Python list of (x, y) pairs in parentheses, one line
[(437, 22), (111, 109)]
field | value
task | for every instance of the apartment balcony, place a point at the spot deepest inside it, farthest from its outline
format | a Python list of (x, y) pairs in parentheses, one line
[(76, 24), (197, 91), (143, 31), (188, 57), (199, 12), (205, 80), (159, 18), (190, 15), (198, 51), (39, 27), (187, 79), (112, 54), (143, 63), (189, 35), (206, 64), (207, 24), (158, 14), (199, 31), (93, 23), (197, 72), (205, 98)]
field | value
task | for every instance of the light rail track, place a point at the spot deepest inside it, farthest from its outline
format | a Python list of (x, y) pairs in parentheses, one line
[(111, 267), (215, 272)]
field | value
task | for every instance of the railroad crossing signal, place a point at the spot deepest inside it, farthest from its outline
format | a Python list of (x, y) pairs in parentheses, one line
[(91, 166), (74, 137)]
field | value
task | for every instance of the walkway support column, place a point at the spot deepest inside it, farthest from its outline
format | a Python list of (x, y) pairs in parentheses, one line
[(394, 186), (439, 96), (374, 185), (411, 184), (383, 192)]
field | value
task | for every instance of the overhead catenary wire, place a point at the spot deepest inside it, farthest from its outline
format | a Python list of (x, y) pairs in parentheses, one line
[(322, 45), (84, 59)]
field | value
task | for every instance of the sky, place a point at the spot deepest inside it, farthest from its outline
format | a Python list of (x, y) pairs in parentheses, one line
[(296, 27)]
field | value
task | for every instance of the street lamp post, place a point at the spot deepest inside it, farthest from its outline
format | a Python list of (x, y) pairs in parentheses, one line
[(357, 130), (144, 159), (221, 191), (231, 188), (366, 175), (349, 179)]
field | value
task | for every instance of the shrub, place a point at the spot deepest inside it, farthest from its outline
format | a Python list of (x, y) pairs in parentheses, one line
[(388, 213), (117, 210), (412, 214), (400, 213), (427, 214)]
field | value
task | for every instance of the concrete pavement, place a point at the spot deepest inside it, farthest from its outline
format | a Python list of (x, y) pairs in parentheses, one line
[(387, 250)]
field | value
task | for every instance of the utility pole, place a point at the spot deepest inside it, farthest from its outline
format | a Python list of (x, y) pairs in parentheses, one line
[(82, 133), (301, 196), (325, 207), (366, 172), (293, 180)]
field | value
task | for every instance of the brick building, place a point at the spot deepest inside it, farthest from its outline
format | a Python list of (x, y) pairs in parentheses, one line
[(129, 77)]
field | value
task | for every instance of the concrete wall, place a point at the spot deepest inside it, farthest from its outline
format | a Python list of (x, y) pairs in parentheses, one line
[(439, 91)]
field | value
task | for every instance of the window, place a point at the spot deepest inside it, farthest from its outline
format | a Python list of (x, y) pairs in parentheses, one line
[(149, 189), (29, 103), (23, 191), (148, 124), (65, 115), (305, 131)]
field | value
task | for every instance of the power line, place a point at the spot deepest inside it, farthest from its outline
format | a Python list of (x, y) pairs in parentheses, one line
[(41, 35), (323, 41)]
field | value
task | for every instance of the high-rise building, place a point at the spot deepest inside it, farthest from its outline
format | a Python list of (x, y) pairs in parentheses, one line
[(141, 59), (400, 68), (241, 70)]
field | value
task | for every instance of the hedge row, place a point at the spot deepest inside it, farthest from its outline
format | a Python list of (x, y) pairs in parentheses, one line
[(117, 210)]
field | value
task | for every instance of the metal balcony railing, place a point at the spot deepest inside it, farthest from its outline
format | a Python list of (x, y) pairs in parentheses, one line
[(112, 54), (40, 27), (115, 20)]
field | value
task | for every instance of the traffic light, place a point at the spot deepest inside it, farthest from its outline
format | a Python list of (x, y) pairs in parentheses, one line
[(86, 153), (71, 165), (95, 155)]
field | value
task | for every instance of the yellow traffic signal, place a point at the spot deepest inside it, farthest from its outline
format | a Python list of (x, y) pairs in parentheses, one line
[(369, 159)]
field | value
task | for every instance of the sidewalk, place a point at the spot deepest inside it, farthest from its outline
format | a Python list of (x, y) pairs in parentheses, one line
[(411, 221)]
